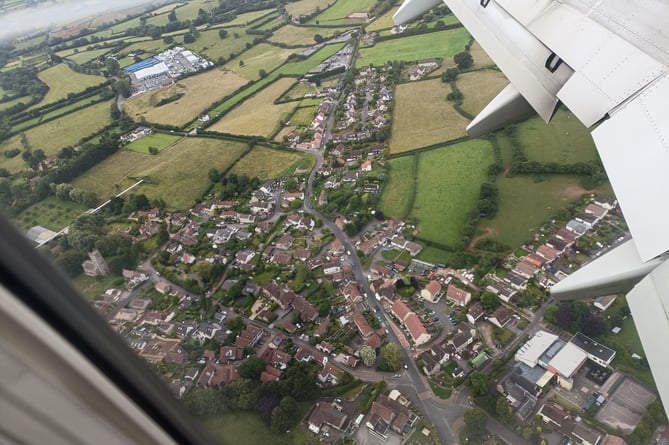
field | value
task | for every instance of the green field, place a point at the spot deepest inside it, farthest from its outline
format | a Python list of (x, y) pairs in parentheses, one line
[(15, 164), (12, 102), (210, 45), (443, 44), (479, 88), (337, 14), (258, 115), (67, 130), (566, 140), (383, 22), (396, 196), (52, 213), (434, 255), (448, 188), (302, 36), (179, 172), (57, 111), (199, 93), (248, 17), (303, 116), (262, 56), (302, 7), (266, 163), (524, 205), (149, 47), (302, 66), (299, 90), (158, 140), (418, 121), (86, 56), (62, 81), (245, 428)]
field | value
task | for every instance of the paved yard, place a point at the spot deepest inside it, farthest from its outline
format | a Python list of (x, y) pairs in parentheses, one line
[(626, 405)]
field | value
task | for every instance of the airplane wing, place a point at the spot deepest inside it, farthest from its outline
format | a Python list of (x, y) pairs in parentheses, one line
[(608, 62)]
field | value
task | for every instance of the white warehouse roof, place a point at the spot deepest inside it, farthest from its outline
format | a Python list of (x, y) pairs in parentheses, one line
[(568, 360), (150, 71), (530, 352)]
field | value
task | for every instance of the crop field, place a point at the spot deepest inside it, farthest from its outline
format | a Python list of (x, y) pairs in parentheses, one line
[(258, 115), (210, 45), (248, 17), (189, 10), (303, 7), (166, 9), (57, 112), (524, 205), (566, 140), (240, 96), (397, 192), (29, 43), (52, 213), (479, 88), (67, 130), (158, 140), (338, 13), (11, 103), (62, 81), (299, 90), (300, 35), (266, 163), (179, 171), (443, 44), (449, 180), (86, 56), (383, 22), (262, 56), (418, 122), (200, 91), (481, 58)]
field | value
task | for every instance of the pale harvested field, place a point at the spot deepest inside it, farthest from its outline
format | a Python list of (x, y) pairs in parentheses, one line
[(262, 56), (201, 91), (423, 116), (297, 35), (479, 88), (257, 116), (306, 6), (481, 58), (180, 171), (266, 163)]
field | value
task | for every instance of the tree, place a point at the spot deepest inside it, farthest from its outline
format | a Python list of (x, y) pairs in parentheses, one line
[(241, 63), (122, 87), (284, 415), (262, 73), (172, 16), (503, 409), (391, 357), (251, 368), (189, 38), (475, 424), (368, 355), (318, 38), (112, 66), (478, 384), (153, 150), (463, 60), (489, 301), (222, 34), (168, 40), (450, 75)]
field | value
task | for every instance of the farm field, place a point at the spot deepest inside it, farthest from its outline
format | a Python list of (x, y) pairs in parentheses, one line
[(189, 10), (417, 122), (67, 130), (210, 45), (266, 163), (566, 140), (448, 189), (268, 25), (301, 36), (434, 255), (337, 14), (179, 171), (262, 56), (303, 116), (481, 58), (302, 7), (52, 213), (62, 80), (86, 56), (247, 428), (158, 140), (524, 205), (198, 97), (479, 88), (151, 47), (443, 44), (302, 66), (400, 187), (383, 22), (11, 103), (16, 163), (299, 90), (258, 115), (57, 111), (248, 17)]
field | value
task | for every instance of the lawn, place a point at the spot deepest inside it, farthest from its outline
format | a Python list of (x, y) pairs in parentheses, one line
[(565, 140), (258, 115), (303, 116), (262, 56), (434, 255), (337, 14), (210, 45), (299, 91), (179, 172), (158, 140), (62, 80), (91, 287), (418, 122), (442, 393), (266, 163), (200, 92), (302, 36), (443, 44), (246, 428), (302, 7), (397, 192), (67, 130), (383, 22), (524, 205), (479, 88), (83, 57), (51, 212)]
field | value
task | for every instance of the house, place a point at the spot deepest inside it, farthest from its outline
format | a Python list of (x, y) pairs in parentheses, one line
[(547, 252), (500, 317), (249, 336), (325, 347), (215, 374), (366, 166), (458, 296), (324, 414), (603, 303), (362, 324), (597, 211), (525, 269), (229, 354), (432, 291), (329, 375), (503, 291), (95, 266), (352, 293), (270, 374), (516, 281), (411, 322), (245, 256), (435, 357), (285, 242), (475, 312), (461, 339)]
